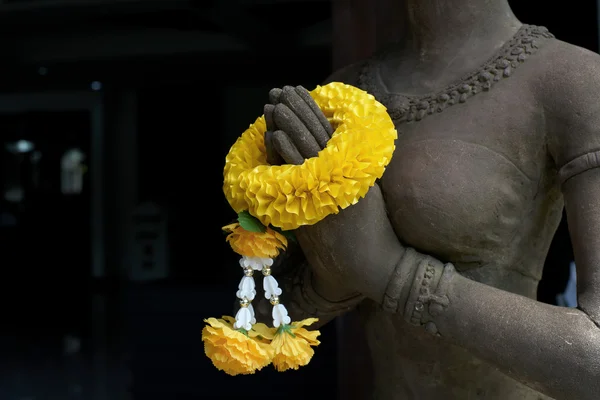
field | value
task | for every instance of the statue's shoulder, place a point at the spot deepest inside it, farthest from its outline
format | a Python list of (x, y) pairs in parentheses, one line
[(568, 87), (568, 70), (349, 74)]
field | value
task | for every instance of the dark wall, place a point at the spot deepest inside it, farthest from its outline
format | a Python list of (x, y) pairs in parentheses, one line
[(576, 24)]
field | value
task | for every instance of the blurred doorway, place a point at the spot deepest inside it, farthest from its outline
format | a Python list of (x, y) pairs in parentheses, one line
[(51, 242), (46, 196)]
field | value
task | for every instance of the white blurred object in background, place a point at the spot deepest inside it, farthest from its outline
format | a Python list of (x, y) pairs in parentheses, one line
[(569, 297), (72, 170)]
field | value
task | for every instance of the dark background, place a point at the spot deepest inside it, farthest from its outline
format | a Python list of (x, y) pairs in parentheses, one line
[(101, 299)]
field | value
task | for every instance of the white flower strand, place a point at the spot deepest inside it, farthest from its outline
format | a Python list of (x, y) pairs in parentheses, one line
[(247, 288), (272, 292), (245, 317), (256, 263), (271, 287), (280, 315)]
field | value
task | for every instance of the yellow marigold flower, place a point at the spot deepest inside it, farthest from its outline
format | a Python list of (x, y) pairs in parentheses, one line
[(232, 351), (293, 345), (290, 196), (255, 244)]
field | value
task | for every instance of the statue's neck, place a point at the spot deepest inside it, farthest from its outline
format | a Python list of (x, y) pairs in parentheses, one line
[(436, 26), (442, 40)]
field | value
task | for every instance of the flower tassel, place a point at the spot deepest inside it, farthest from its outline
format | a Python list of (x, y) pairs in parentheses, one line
[(292, 343), (239, 345)]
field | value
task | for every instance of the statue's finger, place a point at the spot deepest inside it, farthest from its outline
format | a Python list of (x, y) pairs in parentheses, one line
[(268, 113), (273, 157), (287, 121), (305, 95), (274, 95), (305, 113), (285, 147)]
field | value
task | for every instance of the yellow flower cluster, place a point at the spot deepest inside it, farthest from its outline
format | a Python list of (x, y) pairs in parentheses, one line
[(255, 244), (241, 353), (293, 345), (232, 351), (290, 196)]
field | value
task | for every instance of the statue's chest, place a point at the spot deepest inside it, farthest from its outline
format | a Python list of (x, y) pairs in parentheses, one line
[(469, 159), (460, 182)]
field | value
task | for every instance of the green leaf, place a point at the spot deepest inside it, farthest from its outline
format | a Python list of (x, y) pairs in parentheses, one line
[(250, 223), (289, 235), (285, 328)]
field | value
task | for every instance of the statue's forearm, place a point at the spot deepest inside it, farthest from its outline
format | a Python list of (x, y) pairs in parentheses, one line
[(552, 349)]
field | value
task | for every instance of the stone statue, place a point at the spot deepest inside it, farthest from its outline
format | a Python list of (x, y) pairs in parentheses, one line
[(499, 129)]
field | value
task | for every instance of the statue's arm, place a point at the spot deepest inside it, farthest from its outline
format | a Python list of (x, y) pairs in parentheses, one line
[(553, 349)]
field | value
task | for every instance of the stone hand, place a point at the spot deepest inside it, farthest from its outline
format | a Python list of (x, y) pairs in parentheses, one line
[(296, 128), (354, 251)]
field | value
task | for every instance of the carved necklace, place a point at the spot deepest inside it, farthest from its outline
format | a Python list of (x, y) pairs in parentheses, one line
[(407, 108)]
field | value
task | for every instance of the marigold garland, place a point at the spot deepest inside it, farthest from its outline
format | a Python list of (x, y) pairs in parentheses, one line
[(273, 200), (290, 196)]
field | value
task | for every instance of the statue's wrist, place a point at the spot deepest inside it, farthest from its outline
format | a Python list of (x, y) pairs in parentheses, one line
[(417, 289), (427, 298)]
